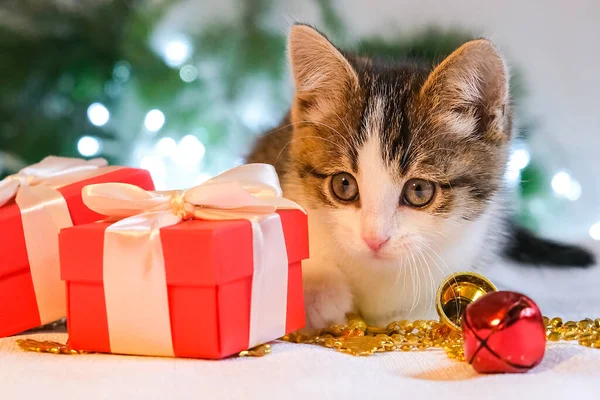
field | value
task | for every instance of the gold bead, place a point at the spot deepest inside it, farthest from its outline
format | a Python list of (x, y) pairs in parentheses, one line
[(411, 338), (406, 326), (358, 325), (433, 323), (406, 347), (419, 324), (556, 322), (554, 336), (320, 340), (585, 324), (258, 351), (336, 330), (393, 327), (372, 330), (397, 337), (570, 330)]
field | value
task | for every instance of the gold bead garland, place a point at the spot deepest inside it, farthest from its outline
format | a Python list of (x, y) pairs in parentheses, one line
[(586, 332), (357, 339), (48, 346)]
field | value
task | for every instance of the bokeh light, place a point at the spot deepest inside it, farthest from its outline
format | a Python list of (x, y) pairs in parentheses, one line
[(154, 165), (566, 186), (188, 73), (166, 147), (595, 231), (561, 182), (177, 52), (155, 119), (88, 146), (190, 151), (98, 114), (574, 192), (518, 160), (122, 71)]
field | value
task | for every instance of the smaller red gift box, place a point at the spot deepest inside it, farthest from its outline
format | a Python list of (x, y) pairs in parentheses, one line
[(18, 303), (209, 272)]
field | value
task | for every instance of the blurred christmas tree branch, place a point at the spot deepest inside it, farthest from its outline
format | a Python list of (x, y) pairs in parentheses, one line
[(228, 81), (37, 19), (55, 58)]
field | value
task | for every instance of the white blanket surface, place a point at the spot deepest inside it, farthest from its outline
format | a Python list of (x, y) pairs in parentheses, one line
[(568, 371)]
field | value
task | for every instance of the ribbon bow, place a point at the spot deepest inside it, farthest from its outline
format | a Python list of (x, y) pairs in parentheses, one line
[(50, 172), (239, 193), (134, 276)]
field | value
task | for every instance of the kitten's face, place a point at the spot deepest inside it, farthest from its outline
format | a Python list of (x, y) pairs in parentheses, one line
[(395, 157)]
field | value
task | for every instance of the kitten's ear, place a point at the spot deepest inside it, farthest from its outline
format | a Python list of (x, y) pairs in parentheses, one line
[(319, 68), (469, 92)]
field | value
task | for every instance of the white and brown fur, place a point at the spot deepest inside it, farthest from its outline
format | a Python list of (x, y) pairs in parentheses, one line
[(385, 123)]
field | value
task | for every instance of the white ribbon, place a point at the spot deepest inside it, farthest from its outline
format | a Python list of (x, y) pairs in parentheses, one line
[(51, 172), (135, 285), (44, 212)]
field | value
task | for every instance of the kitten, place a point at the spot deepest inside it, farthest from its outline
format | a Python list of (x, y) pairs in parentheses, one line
[(401, 170)]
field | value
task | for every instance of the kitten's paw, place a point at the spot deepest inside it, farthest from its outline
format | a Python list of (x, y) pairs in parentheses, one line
[(327, 301)]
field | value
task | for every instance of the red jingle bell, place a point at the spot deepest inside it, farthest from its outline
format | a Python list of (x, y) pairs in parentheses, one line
[(503, 332)]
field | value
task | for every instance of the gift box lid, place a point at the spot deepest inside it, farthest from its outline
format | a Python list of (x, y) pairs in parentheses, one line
[(13, 251), (197, 253)]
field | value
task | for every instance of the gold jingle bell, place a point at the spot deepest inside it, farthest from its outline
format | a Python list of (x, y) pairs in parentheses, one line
[(456, 292)]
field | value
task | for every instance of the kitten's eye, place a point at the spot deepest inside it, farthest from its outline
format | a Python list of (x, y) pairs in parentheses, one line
[(344, 186), (418, 192)]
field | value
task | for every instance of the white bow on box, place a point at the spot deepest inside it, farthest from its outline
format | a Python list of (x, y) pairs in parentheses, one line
[(44, 212), (136, 295), (51, 172)]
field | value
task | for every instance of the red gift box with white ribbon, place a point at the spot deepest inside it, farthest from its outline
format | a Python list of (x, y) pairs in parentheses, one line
[(202, 273), (35, 204)]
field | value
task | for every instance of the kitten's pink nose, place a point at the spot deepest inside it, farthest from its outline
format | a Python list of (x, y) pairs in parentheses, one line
[(375, 242)]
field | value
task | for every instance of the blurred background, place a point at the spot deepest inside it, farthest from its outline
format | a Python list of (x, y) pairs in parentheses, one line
[(181, 88)]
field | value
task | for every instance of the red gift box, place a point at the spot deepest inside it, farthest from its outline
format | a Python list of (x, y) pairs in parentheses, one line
[(19, 309), (209, 273)]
